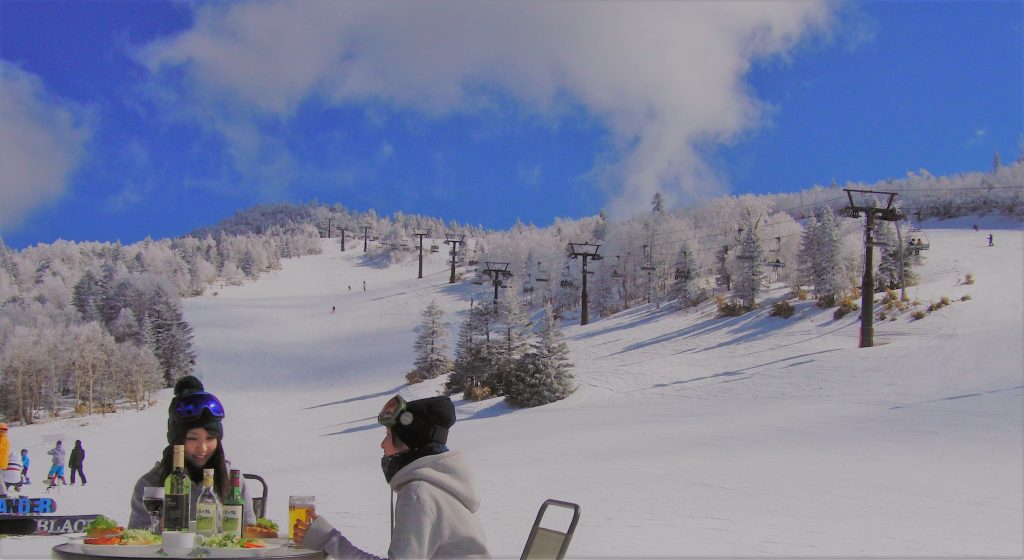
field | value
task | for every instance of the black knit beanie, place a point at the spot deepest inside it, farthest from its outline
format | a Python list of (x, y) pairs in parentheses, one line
[(176, 430), (427, 422)]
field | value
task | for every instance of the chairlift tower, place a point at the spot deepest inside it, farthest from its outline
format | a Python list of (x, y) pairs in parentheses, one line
[(453, 239), (366, 235), (343, 232), (586, 251), (866, 204), (497, 271), (421, 233)]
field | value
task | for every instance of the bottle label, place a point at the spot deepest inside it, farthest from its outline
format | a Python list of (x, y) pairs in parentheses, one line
[(232, 523), (205, 516), (175, 512)]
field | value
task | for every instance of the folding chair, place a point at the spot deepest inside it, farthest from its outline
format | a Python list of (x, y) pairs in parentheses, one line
[(259, 503), (550, 544)]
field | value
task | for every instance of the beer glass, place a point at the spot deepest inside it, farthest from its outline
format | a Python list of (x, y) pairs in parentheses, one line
[(299, 507), (153, 500)]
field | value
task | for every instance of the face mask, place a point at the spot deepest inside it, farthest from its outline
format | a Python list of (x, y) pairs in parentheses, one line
[(391, 464)]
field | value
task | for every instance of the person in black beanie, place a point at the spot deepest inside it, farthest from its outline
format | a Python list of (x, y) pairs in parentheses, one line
[(195, 419), (434, 514)]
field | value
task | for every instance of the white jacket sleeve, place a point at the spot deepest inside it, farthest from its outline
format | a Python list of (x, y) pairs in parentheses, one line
[(321, 535)]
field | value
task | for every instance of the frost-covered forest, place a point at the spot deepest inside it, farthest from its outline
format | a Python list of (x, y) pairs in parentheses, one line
[(88, 325)]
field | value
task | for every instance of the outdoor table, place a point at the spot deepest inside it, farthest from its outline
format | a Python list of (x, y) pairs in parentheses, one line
[(71, 551)]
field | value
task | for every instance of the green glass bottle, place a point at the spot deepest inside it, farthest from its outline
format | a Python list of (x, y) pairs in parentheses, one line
[(231, 522), (177, 494)]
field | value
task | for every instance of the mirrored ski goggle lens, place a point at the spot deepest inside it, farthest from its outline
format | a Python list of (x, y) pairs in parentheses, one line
[(192, 407)]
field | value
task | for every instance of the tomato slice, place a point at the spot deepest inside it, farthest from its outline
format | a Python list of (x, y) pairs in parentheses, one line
[(106, 540), (252, 545)]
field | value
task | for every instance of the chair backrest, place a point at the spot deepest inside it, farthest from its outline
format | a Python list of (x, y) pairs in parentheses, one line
[(259, 503), (550, 544)]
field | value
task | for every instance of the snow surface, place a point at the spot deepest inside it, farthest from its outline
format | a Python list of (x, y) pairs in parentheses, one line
[(689, 436)]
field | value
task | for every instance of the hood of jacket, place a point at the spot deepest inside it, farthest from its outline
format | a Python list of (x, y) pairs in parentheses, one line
[(447, 471)]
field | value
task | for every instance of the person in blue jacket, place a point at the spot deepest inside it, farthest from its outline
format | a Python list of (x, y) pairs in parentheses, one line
[(24, 467)]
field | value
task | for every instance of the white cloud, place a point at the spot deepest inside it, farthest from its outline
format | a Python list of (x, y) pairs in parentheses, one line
[(385, 152), (42, 140), (663, 76), (977, 137)]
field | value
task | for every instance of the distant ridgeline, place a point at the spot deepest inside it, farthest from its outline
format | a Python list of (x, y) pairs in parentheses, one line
[(95, 325)]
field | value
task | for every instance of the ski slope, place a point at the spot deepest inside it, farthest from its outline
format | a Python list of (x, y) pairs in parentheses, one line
[(688, 435)]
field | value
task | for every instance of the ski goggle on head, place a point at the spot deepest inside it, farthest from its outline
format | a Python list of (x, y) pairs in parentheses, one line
[(194, 406), (394, 412)]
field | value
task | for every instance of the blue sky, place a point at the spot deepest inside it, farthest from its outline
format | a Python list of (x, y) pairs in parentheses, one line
[(122, 119)]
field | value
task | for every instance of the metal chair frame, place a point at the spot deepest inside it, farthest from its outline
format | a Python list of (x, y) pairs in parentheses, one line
[(566, 536), (259, 503)]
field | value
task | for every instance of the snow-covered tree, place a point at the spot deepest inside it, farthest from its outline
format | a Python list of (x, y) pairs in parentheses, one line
[(825, 255), (749, 280), (431, 346), (88, 296), (473, 353), (658, 203), (684, 284), (545, 375), (170, 337)]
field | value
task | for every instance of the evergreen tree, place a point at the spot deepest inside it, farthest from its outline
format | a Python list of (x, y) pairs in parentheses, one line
[(888, 273), (431, 346), (600, 231), (658, 204), (807, 254), (125, 328), (723, 278), (683, 288), (514, 322), (750, 279), (87, 297), (170, 338), (545, 374), (827, 282), (472, 353)]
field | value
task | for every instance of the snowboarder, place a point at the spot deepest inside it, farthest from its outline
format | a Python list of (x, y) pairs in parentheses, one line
[(350, 287), (24, 467), (975, 227), (990, 240), (57, 470), (5, 446), (434, 514), (364, 285), (332, 309), (76, 460)]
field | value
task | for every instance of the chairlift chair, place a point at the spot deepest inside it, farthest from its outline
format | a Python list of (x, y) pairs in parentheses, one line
[(918, 240), (545, 543), (435, 248)]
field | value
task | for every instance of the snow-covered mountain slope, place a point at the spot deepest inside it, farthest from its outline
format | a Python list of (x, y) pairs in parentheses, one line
[(688, 435)]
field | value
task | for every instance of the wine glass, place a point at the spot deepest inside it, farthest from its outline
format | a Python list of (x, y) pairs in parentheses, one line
[(153, 500)]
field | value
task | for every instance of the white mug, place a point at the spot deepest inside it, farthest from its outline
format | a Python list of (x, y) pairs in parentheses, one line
[(180, 543)]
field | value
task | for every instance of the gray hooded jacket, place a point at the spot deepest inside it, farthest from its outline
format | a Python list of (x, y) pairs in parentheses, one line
[(433, 515)]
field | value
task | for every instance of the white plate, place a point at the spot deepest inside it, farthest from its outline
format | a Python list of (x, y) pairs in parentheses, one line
[(240, 552), (120, 550)]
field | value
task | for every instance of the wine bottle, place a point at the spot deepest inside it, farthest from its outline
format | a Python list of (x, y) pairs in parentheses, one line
[(232, 520), (177, 494), (208, 507)]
